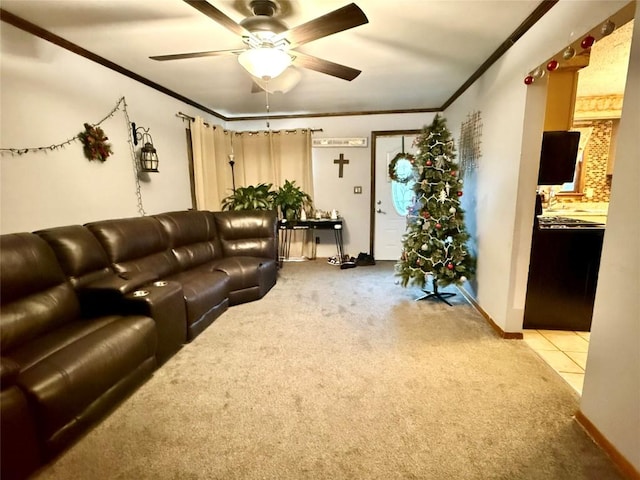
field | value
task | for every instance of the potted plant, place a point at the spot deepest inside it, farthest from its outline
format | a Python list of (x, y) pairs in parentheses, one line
[(291, 199), (258, 197)]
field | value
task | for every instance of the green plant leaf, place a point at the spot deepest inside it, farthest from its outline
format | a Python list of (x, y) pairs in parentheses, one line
[(259, 197)]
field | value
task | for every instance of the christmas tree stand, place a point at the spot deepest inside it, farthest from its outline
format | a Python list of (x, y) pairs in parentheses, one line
[(442, 296)]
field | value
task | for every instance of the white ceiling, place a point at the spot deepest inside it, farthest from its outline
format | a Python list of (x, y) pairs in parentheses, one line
[(414, 54)]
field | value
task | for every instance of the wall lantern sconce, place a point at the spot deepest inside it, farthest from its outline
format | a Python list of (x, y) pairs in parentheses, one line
[(148, 154)]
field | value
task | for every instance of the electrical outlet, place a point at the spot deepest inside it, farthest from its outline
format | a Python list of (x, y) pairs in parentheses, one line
[(357, 190)]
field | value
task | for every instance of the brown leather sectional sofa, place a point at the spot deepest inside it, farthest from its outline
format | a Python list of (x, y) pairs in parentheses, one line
[(88, 312)]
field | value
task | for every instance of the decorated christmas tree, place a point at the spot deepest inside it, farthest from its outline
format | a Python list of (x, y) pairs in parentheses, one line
[(435, 241)]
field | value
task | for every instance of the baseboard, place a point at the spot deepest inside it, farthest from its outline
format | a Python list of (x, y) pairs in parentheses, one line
[(625, 467), (501, 333)]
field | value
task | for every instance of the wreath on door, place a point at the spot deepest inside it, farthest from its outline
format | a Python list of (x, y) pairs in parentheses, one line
[(399, 170)]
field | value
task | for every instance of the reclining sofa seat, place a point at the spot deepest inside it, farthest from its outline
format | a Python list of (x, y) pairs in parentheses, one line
[(74, 337), (242, 245), (141, 245), (249, 244), (101, 291), (71, 370)]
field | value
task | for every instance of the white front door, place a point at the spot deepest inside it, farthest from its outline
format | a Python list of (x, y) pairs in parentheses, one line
[(390, 198)]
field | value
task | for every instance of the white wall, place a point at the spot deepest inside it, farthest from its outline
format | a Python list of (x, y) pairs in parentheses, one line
[(55, 92), (503, 205), (503, 189), (47, 95), (611, 394), (333, 192)]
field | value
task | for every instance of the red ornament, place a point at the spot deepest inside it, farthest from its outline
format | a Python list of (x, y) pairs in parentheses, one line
[(528, 80), (438, 225), (552, 65), (587, 42), (426, 214), (453, 173), (428, 163), (450, 266), (459, 193)]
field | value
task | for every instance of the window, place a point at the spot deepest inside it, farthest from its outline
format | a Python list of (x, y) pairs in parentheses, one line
[(403, 196)]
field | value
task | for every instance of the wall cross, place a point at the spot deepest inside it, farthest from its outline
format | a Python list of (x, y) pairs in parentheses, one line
[(342, 162)]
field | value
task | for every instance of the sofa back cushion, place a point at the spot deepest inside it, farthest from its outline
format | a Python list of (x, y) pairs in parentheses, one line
[(79, 253), (192, 236), (252, 233), (35, 296), (136, 245)]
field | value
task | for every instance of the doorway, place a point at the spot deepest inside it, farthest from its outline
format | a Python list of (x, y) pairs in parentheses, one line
[(598, 105), (389, 198)]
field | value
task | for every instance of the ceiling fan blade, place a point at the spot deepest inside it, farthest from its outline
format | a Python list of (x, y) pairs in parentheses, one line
[(182, 56), (214, 14), (339, 20), (325, 66)]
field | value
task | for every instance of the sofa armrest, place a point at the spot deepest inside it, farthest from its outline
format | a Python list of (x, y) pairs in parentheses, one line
[(8, 372), (105, 296), (19, 448), (164, 302), (122, 283)]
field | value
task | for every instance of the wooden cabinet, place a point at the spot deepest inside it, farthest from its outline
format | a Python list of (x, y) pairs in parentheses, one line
[(562, 86), (563, 276)]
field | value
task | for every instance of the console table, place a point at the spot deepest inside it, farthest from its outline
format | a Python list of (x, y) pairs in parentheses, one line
[(286, 227)]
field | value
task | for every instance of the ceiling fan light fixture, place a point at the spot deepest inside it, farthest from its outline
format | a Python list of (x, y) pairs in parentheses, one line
[(284, 83), (264, 62)]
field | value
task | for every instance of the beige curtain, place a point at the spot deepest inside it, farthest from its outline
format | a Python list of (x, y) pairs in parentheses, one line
[(260, 157), (273, 157), (211, 146)]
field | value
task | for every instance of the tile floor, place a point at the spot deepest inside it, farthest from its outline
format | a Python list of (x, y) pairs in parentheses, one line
[(564, 351)]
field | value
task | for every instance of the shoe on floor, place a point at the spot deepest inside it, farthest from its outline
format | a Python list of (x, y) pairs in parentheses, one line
[(365, 259), (346, 265)]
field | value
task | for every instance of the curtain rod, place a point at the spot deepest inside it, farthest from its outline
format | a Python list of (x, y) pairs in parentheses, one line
[(189, 117), (257, 132), (184, 116)]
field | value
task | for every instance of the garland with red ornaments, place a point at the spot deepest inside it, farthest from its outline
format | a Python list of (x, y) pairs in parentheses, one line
[(568, 53)]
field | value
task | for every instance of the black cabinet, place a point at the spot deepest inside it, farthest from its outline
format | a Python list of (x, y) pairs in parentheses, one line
[(563, 276)]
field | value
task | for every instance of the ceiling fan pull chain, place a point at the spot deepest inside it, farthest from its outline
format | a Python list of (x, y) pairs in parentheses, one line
[(266, 91)]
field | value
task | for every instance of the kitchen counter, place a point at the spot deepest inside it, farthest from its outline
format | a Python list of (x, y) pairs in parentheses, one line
[(591, 212), (556, 222)]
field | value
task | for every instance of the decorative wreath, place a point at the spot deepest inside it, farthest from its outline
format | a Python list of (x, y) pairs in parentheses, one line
[(95, 143), (393, 172)]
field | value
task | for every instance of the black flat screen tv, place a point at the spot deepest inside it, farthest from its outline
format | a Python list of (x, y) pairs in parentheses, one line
[(558, 157)]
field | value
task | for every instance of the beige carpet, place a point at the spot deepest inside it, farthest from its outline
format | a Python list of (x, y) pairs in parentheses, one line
[(340, 374)]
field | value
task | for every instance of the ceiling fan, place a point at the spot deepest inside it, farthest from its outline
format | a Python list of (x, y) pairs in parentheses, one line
[(270, 43)]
